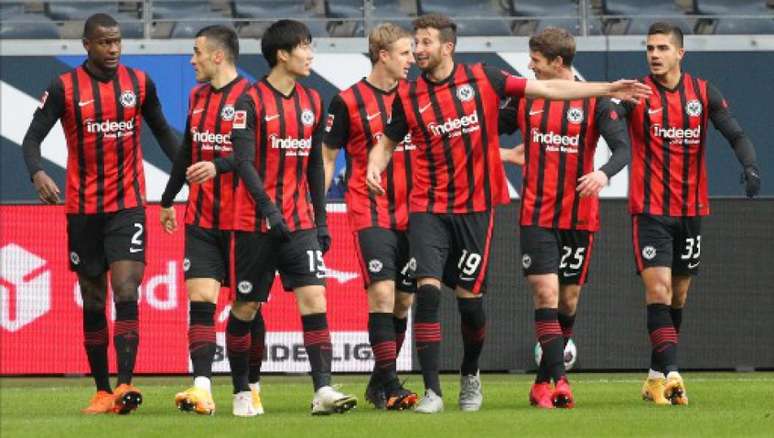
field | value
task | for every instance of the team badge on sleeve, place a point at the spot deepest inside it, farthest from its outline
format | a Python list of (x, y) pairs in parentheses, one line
[(240, 120), (329, 122)]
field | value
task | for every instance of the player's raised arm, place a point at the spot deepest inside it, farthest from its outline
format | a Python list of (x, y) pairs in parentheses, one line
[(151, 112), (560, 89), (243, 140), (613, 129), (743, 147), (49, 111)]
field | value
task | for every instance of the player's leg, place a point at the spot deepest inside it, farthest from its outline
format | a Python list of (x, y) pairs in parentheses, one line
[(540, 248), (302, 270), (429, 243), (87, 260), (472, 236), (252, 265), (125, 253), (653, 251), (257, 348), (204, 266), (577, 246)]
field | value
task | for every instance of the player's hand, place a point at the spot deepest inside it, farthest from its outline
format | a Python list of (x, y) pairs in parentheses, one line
[(277, 226), (751, 178), (374, 180), (48, 192), (592, 183), (514, 155), (200, 172), (629, 90), (324, 237), (168, 220)]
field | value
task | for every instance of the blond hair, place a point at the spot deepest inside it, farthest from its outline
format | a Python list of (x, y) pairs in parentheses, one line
[(382, 37)]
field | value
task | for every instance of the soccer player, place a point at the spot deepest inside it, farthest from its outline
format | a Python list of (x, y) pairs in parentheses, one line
[(100, 104), (356, 120), (280, 207), (451, 112), (206, 158), (668, 194), (560, 204)]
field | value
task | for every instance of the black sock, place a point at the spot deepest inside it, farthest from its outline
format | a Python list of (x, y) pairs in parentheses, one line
[(381, 335), (257, 347), (543, 375), (427, 334), (566, 322), (317, 341), (401, 324), (549, 334), (95, 341), (473, 325), (677, 317), (663, 337), (238, 351), (201, 337), (126, 337)]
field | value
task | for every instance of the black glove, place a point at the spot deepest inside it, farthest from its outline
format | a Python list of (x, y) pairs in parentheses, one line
[(324, 237), (277, 226), (751, 178)]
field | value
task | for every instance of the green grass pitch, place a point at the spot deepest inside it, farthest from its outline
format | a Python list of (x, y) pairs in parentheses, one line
[(721, 404)]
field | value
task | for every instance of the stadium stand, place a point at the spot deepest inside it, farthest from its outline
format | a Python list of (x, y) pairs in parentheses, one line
[(739, 17), (474, 17), (635, 19), (18, 22)]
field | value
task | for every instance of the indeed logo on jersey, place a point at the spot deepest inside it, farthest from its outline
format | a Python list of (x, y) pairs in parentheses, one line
[(291, 146), (456, 127), (555, 142), (110, 128), (678, 135), (212, 141), (404, 145)]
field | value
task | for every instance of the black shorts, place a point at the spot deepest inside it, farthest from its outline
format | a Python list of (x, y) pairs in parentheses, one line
[(257, 256), (566, 253), (453, 248), (97, 240), (384, 255), (665, 241), (207, 253)]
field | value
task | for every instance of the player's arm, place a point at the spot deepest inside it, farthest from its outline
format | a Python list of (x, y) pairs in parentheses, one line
[(559, 89), (243, 138), (175, 182), (315, 174), (513, 155), (336, 135), (613, 129), (743, 147), (381, 154), (203, 171), (153, 115), (49, 111)]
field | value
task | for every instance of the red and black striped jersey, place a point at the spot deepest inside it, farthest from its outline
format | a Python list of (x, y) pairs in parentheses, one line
[(208, 137), (668, 132), (101, 118), (453, 123), (356, 120), (560, 139), (285, 132)]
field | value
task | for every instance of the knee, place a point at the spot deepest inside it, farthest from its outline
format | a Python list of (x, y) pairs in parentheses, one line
[(311, 300), (568, 302), (545, 295), (381, 297), (245, 311), (428, 298), (403, 302), (125, 288), (658, 291)]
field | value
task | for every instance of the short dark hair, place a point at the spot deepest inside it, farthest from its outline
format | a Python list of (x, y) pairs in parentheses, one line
[(668, 29), (447, 29), (95, 21), (552, 42), (224, 37), (283, 35)]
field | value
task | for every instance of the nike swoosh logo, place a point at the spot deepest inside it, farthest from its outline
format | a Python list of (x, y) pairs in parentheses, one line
[(83, 103), (197, 110), (320, 275), (569, 274), (693, 265), (373, 116), (467, 278), (270, 118), (424, 108), (134, 250), (532, 113), (654, 111)]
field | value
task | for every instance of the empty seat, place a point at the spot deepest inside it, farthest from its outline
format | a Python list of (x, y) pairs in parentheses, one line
[(737, 7), (737, 26), (473, 17), (165, 9), (263, 12), (21, 25), (78, 11), (189, 29)]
